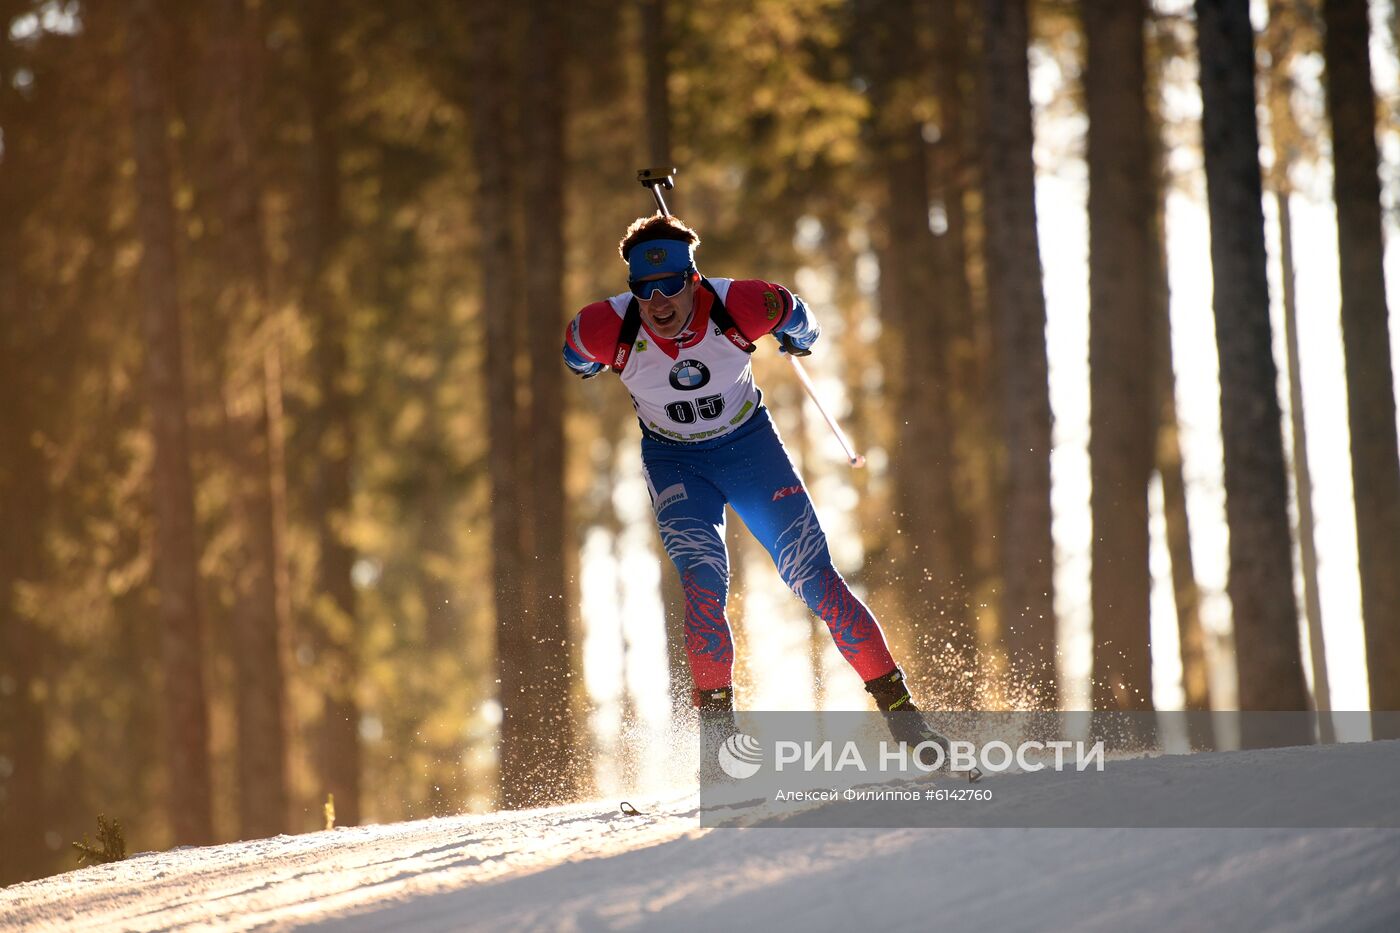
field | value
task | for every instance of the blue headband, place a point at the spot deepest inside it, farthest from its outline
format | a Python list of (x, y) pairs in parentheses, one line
[(652, 256)]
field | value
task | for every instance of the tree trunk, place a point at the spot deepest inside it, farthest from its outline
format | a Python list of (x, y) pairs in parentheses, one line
[(1195, 668), (953, 171), (542, 197), (933, 574), (1191, 637), (1017, 302), (252, 409), (1195, 663), (443, 637), (176, 552), (25, 804), (27, 808), (1121, 215), (1256, 486), (1302, 477), (1291, 27), (335, 626), (524, 778), (655, 57), (658, 133), (1375, 464)]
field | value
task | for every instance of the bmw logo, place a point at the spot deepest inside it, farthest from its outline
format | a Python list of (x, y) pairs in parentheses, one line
[(689, 374)]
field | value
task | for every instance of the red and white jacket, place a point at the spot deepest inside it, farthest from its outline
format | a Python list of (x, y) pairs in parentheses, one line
[(699, 385)]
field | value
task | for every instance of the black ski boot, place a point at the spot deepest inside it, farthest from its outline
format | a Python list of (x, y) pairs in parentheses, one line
[(906, 723), (717, 723)]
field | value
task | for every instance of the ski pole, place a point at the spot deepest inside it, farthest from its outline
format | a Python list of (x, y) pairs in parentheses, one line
[(857, 460)]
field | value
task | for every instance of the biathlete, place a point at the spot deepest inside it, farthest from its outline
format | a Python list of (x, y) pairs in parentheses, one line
[(680, 342)]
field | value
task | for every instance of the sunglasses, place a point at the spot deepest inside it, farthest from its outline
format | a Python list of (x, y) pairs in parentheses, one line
[(669, 287)]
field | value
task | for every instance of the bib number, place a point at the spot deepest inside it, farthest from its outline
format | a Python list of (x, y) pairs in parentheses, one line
[(709, 407)]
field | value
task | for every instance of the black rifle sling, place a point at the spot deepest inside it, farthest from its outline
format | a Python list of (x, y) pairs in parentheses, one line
[(631, 324), (719, 314)]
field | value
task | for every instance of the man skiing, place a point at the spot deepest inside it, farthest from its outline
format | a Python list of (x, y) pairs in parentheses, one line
[(681, 344)]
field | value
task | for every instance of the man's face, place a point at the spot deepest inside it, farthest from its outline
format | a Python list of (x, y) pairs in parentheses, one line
[(667, 317)]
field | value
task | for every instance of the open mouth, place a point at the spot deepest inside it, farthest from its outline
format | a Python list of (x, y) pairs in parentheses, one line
[(663, 318)]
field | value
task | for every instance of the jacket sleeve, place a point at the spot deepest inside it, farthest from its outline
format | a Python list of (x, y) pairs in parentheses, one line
[(760, 308), (590, 339)]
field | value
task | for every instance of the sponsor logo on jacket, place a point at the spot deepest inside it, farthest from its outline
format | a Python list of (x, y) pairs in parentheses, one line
[(770, 304)]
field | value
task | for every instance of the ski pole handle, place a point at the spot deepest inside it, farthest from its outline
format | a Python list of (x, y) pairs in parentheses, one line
[(856, 460)]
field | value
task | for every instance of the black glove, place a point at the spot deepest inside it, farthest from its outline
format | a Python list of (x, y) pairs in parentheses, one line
[(787, 345)]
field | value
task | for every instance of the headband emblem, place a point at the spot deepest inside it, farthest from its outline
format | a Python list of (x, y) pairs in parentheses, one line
[(656, 255)]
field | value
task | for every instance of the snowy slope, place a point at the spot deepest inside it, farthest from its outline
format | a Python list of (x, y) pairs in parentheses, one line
[(586, 867)]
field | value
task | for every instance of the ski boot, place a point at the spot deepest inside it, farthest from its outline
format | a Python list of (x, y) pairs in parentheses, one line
[(717, 723), (905, 722)]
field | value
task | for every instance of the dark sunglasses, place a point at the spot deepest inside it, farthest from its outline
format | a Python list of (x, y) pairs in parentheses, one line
[(669, 287)]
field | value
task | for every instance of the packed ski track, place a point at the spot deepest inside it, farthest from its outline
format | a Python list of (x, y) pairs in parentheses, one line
[(589, 866)]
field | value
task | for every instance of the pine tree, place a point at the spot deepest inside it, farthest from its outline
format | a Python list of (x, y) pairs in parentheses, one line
[(1375, 463), (656, 28), (172, 483), (1285, 38), (543, 171), (1261, 564), (252, 425), (1121, 218), (335, 618), (935, 548), (1016, 299)]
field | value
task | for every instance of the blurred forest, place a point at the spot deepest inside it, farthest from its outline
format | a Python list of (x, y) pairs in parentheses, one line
[(298, 500)]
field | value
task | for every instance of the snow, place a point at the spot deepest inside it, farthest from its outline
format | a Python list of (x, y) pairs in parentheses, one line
[(589, 867)]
